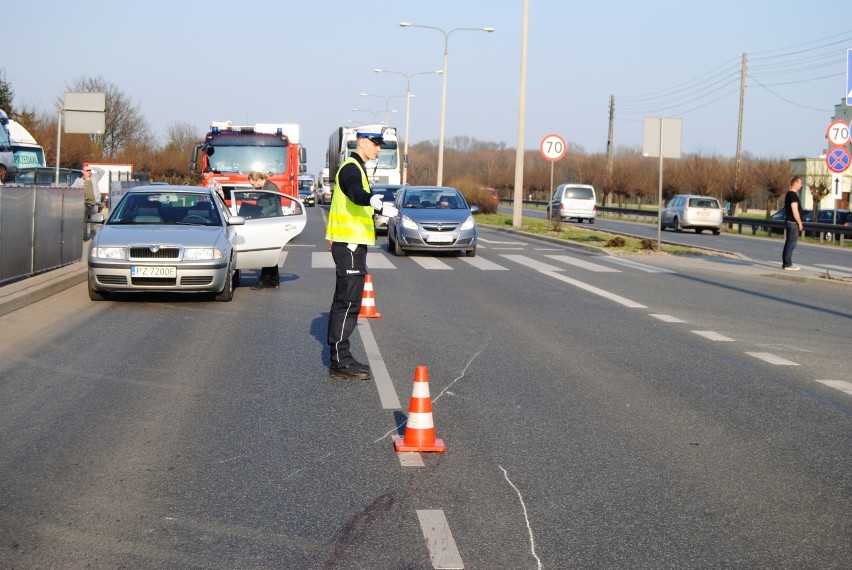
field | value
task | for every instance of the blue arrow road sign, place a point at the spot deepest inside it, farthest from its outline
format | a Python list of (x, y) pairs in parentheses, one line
[(837, 159)]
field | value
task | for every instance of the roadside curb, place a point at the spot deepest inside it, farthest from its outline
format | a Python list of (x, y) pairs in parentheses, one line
[(31, 290)]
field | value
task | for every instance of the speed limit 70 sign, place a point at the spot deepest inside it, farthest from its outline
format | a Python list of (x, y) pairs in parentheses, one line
[(553, 148), (838, 133)]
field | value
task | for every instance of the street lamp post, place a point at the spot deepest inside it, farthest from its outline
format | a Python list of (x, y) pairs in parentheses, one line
[(387, 104), (408, 97), (373, 113), (444, 87)]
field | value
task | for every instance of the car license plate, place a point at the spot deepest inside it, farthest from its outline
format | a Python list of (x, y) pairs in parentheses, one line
[(146, 271), (440, 238)]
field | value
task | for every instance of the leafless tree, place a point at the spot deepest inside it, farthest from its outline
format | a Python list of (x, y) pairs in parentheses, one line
[(772, 176)]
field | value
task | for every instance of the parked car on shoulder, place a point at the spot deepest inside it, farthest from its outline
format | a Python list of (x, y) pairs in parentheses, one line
[(388, 192), (185, 239), (432, 218), (780, 216), (573, 201), (828, 217), (690, 211)]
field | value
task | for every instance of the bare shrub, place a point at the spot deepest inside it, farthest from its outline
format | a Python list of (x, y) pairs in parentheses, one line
[(617, 241), (648, 244)]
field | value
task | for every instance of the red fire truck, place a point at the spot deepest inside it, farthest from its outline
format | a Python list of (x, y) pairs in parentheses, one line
[(233, 151)]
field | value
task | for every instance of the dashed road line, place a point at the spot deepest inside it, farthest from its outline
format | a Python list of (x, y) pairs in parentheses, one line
[(841, 385), (712, 335), (583, 264), (634, 265), (591, 289), (668, 319), (772, 359), (531, 263), (387, 393), (439, 539), (484, 264)]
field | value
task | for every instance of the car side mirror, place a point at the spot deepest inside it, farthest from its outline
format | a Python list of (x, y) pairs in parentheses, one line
[(236, 221), (96, 218), (474, 209)]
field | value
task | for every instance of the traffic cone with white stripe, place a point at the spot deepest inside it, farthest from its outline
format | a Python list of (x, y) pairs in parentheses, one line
[(419, 429), (368, 300)]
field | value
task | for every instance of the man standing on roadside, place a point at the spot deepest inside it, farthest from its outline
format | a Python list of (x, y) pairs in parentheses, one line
[(350, 230), (92, 196), (211, 182), (792, 223)]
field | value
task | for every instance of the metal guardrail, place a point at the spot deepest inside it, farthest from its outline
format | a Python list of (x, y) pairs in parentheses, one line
[(827, 233)]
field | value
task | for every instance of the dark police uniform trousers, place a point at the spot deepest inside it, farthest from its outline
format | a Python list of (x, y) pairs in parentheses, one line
[(351, 269)]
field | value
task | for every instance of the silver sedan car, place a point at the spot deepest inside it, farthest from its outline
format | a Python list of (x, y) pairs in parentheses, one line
[(432, 218), (187, 239)]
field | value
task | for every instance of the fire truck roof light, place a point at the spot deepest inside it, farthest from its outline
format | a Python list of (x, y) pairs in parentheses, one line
[(215, 129), (279, 131)]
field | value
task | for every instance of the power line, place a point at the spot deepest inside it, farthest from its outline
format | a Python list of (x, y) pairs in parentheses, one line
[(787, 100)]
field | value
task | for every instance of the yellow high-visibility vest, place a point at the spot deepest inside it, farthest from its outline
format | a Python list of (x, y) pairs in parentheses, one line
[(348, 222)]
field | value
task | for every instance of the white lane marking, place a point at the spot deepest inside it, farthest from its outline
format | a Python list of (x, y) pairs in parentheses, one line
[(410, 459), (605, 294), (429, 263), (583, 264), (484, 264), (378, 261), (439, 539), (526, 516), (841, 385), (322, 260), (483, 240), (772, 359), (531, 263), (668, 319), (387, 393), (711, 335), (785, 347), (633, 264), (508, 248)]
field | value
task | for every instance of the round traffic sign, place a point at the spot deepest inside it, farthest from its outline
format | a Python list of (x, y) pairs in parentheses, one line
[(838, 159), (838, 133), (553, 147)]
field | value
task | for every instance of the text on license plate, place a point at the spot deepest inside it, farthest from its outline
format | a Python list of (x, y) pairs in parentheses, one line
[(148, 271), (440, 238)]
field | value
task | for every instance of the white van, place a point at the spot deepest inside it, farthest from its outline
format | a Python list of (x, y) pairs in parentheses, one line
[(573, 201)]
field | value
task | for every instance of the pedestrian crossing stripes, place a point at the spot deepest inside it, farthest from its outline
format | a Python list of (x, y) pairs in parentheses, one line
[(380, 260), (633, 264)]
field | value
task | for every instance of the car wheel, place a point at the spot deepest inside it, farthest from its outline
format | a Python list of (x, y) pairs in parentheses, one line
[(676, 225), (716, 232), (591, 220), (236, 278), (397, 250), (471, 252), (698, 230), (95, 295), (227, 292)]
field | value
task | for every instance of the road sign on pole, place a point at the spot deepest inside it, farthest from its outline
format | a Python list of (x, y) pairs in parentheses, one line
[(838, 133), (849, 76), (837, 185), (838, 159), (553, 147)]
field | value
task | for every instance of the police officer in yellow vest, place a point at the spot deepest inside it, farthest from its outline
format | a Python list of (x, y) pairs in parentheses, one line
[(350, 230)]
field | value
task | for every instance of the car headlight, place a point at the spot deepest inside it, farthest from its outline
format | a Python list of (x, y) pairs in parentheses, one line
[(201, 253), (408, 223), (468, 224), (108, 252)]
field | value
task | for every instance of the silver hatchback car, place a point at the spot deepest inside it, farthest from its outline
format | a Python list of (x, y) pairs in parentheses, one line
[(690, 211), (186, 239)]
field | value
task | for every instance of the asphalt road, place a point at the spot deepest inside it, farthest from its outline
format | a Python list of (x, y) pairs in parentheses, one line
[(657, 412)]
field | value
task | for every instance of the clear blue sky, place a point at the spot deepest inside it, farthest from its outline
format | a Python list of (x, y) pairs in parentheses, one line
[(307, 62)]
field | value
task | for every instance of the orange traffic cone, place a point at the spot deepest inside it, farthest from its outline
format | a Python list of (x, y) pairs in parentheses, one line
[(368, 300), (419, 429)]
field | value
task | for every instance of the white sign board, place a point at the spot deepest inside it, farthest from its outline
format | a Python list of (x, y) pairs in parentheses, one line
[(85, 102), (838, 133), (837, 185), (553, 147), (86, 122), (670, 131)]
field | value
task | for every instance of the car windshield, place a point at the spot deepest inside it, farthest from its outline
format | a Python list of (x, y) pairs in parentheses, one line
[(703, 203), (179, 208), (434, 199)]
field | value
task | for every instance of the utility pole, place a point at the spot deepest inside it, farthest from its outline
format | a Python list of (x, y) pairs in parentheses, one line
[(610, 151), (740, 124)]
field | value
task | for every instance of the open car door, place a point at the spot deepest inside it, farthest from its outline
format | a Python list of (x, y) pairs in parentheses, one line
[(272, 220)]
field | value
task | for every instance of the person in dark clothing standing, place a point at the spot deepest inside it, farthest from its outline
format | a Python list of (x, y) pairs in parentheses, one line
[(350, 230), (793, 223)]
